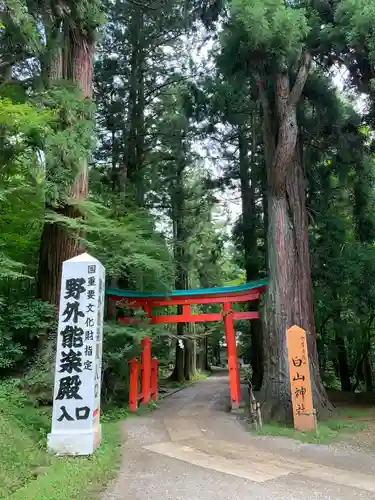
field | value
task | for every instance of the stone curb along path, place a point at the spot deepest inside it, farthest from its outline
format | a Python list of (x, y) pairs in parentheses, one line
[(191, 441)]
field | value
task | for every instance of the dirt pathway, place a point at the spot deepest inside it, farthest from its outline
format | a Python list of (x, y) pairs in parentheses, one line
[(192, 449)]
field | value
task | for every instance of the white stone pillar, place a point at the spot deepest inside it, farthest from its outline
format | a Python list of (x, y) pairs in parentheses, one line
[(76, 426)]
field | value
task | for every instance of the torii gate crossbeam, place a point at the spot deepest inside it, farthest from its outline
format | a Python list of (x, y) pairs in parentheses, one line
[(185, 298)]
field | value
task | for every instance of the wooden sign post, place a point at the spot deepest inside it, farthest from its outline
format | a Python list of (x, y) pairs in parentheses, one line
[(300, 381)]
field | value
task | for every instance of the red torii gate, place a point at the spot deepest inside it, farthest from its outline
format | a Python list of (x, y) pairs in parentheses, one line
[(185, 298)]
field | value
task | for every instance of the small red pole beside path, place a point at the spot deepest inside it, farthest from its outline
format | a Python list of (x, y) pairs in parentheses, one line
[(149, 377)]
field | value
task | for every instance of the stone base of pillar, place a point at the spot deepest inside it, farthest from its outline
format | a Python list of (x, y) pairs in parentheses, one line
[(75, 443)]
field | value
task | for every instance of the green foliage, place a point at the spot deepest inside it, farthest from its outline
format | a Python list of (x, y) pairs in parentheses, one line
[(272, 26), (23, 430), (356, 20), (69, 140), (128, 245), (23, 129), (340, 175), (31, 318), (18, 29), (87, 16), (24, 119), (120, 345), (263, 36), (21, 325), (10, 350)]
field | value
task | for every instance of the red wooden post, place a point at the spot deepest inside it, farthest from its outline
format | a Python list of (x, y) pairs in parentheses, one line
[(234, 382), (147, 309), (234, 372), (186, 312), (133, 389), (146, 369), (154, 379)]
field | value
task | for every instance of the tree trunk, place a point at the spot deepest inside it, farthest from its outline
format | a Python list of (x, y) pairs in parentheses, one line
[(178, 371), (140, 121), (190, 348), (206, 364), (216, 352), (289, 294), (276, 386), (134, 134), (181, 276), (193, 368), (368, 372), (248, 180), (265, 219), (188, 353), (248, 205), (342, 357), (202, 356), (58, 243)]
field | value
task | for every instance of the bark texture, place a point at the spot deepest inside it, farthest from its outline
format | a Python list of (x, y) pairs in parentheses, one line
[(57, 242), (289, 296)]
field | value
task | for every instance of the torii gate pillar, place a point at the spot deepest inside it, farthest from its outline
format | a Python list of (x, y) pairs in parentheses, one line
[(233, 368)]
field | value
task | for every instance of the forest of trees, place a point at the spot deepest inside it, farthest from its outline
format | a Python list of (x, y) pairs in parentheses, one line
[(188, 144)]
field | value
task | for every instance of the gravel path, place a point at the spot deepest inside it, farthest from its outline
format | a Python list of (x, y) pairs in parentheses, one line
[(192, 449)]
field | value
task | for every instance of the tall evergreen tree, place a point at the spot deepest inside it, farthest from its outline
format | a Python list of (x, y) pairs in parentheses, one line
[(69, 54), (274, 44)]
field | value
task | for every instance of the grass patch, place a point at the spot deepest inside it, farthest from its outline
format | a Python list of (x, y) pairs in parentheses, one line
[(143, 409), (330, 430), (28, 471), (76, 478), (201, 375), (355, 413)]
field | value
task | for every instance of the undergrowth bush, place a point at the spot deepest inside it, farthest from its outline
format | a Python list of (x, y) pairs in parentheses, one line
[(21, 326), (120, 345)]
